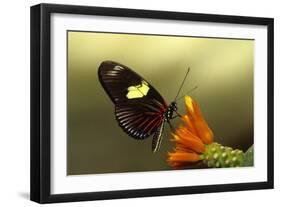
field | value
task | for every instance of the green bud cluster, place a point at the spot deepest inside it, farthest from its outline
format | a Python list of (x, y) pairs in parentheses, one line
[(217, 156)]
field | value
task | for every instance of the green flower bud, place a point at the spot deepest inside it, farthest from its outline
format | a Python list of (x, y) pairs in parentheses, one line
[(218, 156)]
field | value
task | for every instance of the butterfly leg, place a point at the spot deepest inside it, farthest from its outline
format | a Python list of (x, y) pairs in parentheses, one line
[(175, 116), (178, 114), (171, 126)]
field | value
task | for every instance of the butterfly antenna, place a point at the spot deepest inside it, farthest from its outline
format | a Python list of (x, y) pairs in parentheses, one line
[(187, 92), (182, 83)]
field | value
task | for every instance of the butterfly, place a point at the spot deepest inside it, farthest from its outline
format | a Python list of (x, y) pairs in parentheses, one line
[(140, 110)]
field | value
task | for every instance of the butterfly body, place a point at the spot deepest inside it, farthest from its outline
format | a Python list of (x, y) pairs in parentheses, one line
[(170, 111), (139, 108)]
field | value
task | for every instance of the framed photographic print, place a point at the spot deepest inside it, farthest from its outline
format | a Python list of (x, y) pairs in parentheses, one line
[(132, 103)]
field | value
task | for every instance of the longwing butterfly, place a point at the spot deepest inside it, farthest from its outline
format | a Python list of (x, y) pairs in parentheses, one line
[(139, 108)]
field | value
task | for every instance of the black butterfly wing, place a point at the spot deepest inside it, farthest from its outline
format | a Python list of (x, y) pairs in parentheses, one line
[(138, 119), (139, 108)]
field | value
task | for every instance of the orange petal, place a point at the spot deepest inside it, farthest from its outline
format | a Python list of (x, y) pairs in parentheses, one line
[(181, 148), (175, 157), (188, 124), (184, 131), (197, 122), (204, 132), (189, 141)]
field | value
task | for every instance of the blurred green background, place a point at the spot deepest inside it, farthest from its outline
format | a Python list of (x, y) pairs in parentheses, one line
[(221, 68)]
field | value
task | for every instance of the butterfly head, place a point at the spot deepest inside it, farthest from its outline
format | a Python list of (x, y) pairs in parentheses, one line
[(173, 106)]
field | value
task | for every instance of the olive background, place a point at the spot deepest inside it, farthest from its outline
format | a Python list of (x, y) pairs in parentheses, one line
[(221, 68)]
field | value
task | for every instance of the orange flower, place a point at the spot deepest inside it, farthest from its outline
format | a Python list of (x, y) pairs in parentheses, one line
[(191, 137)]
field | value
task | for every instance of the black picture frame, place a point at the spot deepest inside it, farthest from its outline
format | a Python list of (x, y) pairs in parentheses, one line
[(40, 184)]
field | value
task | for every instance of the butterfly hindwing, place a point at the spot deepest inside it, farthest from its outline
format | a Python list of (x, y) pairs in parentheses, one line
[(139, 108), (139, 120)]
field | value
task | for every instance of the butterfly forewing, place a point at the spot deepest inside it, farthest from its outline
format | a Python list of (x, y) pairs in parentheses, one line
[(119, 81), (139, 108)]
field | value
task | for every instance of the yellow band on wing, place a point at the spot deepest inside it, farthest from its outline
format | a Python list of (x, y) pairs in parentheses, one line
[(138, 91)]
